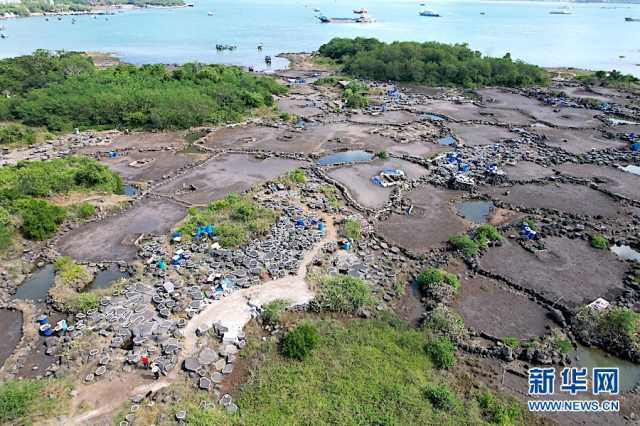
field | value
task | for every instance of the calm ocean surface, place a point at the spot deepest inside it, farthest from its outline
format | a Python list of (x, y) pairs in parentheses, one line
[(594, 36)]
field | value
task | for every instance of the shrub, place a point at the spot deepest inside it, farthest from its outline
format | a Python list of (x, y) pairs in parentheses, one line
[(488, 232), (16, 134), (498, 412), (562, 345), (430, 63), (446, 322), (382, 155), (465, 244), (272, 311), (82, 302), (40, 219), (69, 272), (28, 401), (230, 234), (86, 210), (299, 342), (619, 321), (297, 176), (441, 351), (434, 276), (352, 229), (440, 396), (511, 341), (342, 293), (599, 242)]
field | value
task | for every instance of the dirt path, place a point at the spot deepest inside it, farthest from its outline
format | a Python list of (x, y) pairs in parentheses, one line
[(232, 311)]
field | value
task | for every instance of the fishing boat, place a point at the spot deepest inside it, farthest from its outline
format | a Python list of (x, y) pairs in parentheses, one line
[(364, 19), (564, 10), (429, 13), (632, 19), (316, 10), (3, 35), (210, 13), (361, 11)]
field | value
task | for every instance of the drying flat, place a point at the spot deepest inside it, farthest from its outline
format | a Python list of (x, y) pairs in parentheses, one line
[(577, 141), (157, 164), (569, 270), (113, 238), (431, 223), (487, 306), (527, 170), (419, 149), (480, 134), (613, 180), (221, 175), (357, 179), (573, 199), (389, 117)]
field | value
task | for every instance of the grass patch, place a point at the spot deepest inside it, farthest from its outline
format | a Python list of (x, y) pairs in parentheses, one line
[(299, 342), (500, 412), (272, 311), (441, 396), (331, 194), (31, 401), (342, 293), (434, 277), (511, 341), (296, 176), (71, 277), (442, 352), (562, 345), (351, 229), (465, 244), (599, 242), (236, 219)]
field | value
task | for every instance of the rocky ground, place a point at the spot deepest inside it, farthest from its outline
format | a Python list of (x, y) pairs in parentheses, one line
[(544, 155)]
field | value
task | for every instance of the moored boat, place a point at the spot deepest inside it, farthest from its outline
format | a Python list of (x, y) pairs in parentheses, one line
[(429, 13), (632, 19)]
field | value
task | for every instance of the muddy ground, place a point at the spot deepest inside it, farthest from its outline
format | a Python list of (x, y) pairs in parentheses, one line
[(357, 179), (480, 134), (569, 271), (221, 175), (573, 199), (613, 180), (114, 237), (431, 223)]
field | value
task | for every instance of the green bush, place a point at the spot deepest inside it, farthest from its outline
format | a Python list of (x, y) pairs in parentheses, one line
[(446, 322), (342, 293), (599, 242), (86, 210), (27, 401), (40, 219), (562, 345), (430, 63), (440, 396), (231, 235), (619, 321), (488, 232), (351, 229), (82, 302), (382, 155), (434, 276), (511, 341), (441, 351), (68, 91), (465, 244), (499, 412), (272, 311), (297, 176), (16, 134), (299, 342)]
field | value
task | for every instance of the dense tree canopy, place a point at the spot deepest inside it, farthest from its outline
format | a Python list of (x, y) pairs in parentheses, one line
[(430, 63), (63, 91)]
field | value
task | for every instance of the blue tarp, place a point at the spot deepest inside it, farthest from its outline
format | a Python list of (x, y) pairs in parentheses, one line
[(635, 147), (452, 157), (204, 230), (113, 154), (300, 222), (162, 264), (345, 245), (463, 167), (376, 180)]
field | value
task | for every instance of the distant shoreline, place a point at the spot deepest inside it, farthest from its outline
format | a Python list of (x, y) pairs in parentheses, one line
[(94, 10)]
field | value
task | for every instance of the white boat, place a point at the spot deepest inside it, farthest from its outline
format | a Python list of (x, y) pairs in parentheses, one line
[(429, 13), (210, 13)]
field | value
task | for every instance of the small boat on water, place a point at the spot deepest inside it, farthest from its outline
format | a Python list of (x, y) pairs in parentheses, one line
[(361, 11), (3, 35), (632, 19), (429, 13), (364, 19), (210, 13), (316, 10), (564, 10)]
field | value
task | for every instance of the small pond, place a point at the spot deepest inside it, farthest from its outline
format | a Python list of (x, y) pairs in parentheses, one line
[(345, 157), (106, 277), (130, 190), (632, 169), (626, 253), (594, 357), (449, 140), (475, 211), (433, 117), (37, 287)]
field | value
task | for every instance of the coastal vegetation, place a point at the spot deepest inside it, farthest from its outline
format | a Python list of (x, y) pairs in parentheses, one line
[(24, 189), (29, 400), (341, 293), (27, 7), (336, 381), (235, 219), (62, 91), (432, 277), (430, 63), (299, 342), (612, 78)]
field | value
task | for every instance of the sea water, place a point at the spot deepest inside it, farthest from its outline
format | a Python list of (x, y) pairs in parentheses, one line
[(593, 36)]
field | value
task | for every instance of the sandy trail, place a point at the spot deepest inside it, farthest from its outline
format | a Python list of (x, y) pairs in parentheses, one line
[(232, 311)]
